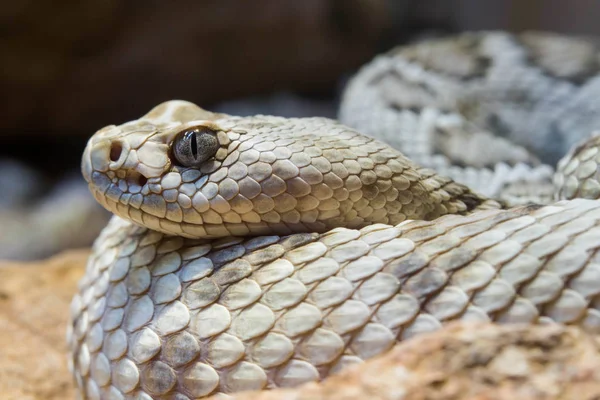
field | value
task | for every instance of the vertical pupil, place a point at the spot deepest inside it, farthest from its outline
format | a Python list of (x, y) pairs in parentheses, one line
[(194, 145)]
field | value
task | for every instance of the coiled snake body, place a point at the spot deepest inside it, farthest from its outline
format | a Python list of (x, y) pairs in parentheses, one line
[(260, 252)]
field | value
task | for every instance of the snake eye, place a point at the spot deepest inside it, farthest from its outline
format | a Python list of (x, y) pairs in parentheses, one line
[(194, 146)]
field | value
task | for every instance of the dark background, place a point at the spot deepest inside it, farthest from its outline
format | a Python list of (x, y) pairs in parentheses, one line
[(71, 67)]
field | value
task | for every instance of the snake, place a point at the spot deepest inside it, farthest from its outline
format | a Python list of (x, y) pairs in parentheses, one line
[(257, 252)]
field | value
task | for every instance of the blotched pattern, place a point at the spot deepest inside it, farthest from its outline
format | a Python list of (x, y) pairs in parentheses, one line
[(481, 108), (159, 316)]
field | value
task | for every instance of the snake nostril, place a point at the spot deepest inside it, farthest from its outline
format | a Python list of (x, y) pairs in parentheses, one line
[(116, 148)]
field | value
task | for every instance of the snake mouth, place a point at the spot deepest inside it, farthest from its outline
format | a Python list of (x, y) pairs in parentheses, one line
[(120, 190)]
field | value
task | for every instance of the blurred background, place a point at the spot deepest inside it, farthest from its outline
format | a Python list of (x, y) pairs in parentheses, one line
[(72, 67)]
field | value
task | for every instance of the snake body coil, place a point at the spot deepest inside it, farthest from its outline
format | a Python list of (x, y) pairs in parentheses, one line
[(492, 110), (299, 247)]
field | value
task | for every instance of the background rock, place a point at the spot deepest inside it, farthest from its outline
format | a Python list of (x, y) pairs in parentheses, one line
[(459, 362), (34, 308)]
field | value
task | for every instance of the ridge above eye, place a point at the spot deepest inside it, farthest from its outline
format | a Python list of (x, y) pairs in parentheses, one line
[(194, 146)]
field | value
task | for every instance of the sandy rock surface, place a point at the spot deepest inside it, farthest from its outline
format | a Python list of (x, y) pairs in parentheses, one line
[(34, 307), (481, 362), (478, 362)]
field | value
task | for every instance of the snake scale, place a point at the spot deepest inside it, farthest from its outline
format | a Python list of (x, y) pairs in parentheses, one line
[(261, 252)]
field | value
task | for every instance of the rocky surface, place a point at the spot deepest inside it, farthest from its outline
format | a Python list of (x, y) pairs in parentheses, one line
[(34, 307), (485, 362), (481, 362)]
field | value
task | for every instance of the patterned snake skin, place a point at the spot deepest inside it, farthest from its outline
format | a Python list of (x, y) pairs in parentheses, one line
[(300, 247), (491, 110)]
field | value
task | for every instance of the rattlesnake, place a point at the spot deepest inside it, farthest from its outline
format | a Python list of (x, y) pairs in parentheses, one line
[(260, 252)]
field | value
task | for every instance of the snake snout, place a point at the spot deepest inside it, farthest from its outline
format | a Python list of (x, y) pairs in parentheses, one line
[(109, 159), (118, 155)]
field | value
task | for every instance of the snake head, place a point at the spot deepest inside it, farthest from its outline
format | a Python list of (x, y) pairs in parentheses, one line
[(186, 171), (152, 170)]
